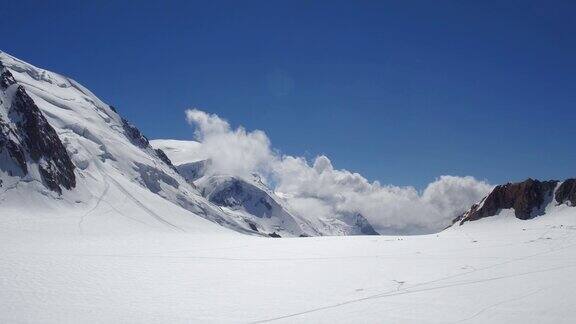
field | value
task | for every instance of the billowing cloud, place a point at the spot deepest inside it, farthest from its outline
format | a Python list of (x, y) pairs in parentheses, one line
[(235, 152), (317, 189), (322, 190), (454, 195)]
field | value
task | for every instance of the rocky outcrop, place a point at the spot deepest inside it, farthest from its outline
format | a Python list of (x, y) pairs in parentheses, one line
[(6, 78), (364, 226), (11, 149), (27, 137), (566, 193), (164, 158), (137, 138), (527, 198), (134, 134)]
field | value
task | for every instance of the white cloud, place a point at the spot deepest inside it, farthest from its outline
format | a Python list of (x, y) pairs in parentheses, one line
[(206, 124), (234, 152), (453, 195), (320, 190), (388, 208)]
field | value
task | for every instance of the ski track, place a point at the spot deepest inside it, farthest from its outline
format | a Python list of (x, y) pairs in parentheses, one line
[(500, 303), (98, 201), (141, 205), (409, 289)]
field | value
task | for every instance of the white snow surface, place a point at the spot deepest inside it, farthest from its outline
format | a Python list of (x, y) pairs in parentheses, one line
[(495, 270)]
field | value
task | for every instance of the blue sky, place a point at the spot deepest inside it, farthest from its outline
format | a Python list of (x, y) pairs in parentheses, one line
[(401, 92)]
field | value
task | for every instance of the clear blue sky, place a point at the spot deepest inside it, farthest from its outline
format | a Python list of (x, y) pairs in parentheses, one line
[(401, 92)]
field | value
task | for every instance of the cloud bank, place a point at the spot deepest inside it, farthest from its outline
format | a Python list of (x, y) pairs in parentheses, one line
[(315, 188)]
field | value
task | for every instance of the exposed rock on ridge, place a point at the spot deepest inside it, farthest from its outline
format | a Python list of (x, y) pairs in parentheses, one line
[(527, 198), (27, 137), (567, 192)]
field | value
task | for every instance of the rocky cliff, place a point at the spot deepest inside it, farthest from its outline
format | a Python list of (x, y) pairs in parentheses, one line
[(528, 199)]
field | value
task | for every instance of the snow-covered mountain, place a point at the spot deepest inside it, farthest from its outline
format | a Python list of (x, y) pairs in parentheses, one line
[(259, 206), (526, 200), (63, 149)]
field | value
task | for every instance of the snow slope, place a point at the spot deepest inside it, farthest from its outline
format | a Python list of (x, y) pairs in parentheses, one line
[(497, 270)]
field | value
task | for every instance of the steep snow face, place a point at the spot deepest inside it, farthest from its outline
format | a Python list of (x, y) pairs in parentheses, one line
[(63, 148), (258, 205)]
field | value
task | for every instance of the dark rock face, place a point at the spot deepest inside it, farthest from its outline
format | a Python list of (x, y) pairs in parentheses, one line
[(7, 135), (12, 148), (137, 138), (162, 156), (527, 198), (567, 192), (134, 134), (252, 226), (28, 134), (6, 79), (364, 226)]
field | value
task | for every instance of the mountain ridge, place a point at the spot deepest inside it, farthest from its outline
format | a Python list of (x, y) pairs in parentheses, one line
[(528, 199)]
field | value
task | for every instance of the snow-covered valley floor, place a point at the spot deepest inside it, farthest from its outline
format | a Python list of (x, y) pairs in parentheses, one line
[(498, 269)]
